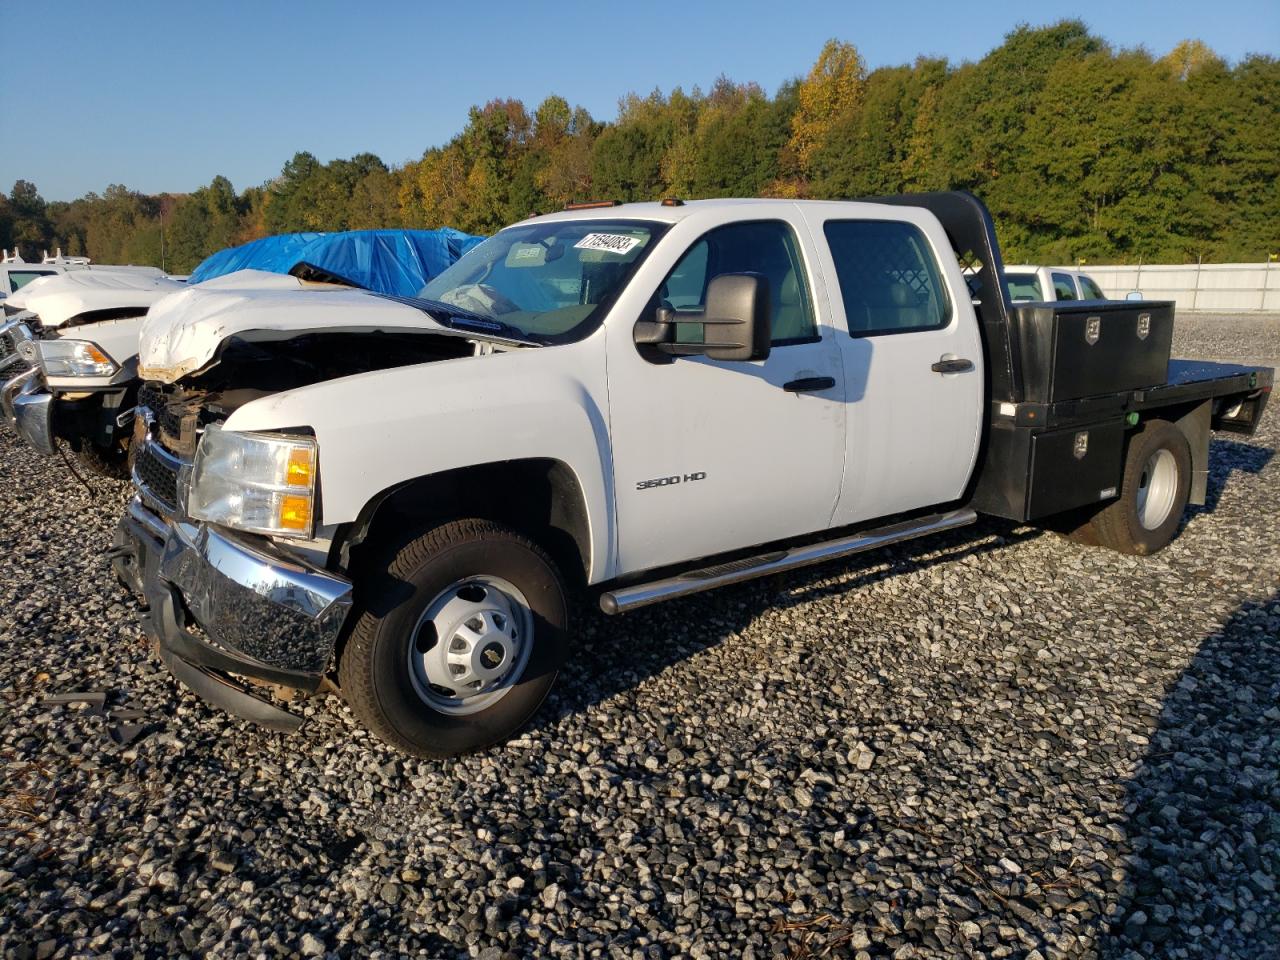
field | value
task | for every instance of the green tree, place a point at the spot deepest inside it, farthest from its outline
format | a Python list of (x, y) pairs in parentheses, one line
[(29, 228), (867, 147)]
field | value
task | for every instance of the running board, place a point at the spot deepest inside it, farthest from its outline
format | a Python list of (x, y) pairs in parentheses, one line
[(778, 561)]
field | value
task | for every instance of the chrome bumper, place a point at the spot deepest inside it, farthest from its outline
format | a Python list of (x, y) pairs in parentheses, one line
[(263, 616), (28, 408)]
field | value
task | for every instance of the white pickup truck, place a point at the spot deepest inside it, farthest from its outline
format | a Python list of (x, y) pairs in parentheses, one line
[(1051, 283), (400, 495)]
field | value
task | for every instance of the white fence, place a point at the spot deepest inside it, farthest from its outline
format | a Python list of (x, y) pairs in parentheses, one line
[(1224, 287)]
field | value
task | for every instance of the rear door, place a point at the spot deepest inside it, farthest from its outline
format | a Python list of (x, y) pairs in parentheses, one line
[(714, 455), (912, 359)]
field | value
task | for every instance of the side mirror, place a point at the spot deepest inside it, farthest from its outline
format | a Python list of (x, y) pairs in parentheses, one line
[(1134, 295), (737, 323)]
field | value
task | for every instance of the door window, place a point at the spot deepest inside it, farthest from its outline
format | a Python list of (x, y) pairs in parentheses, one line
[(767, 248), (1090, 289), (889, 279), (1063, 288)]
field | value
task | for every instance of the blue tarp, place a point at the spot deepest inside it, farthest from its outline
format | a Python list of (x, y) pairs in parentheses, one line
[(273, 254), (398, 262)]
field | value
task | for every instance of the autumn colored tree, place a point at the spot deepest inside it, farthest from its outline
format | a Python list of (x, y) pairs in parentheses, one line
[(833, 90)]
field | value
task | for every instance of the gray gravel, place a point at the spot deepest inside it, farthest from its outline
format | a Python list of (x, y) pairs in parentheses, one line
[(993, 744)]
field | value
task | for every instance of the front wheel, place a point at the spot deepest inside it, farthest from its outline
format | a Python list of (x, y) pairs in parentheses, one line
[(457, 642), (1153, 493)]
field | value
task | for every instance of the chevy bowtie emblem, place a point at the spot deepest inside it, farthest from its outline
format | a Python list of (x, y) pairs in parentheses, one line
[(1144, 325), (1092, 330)]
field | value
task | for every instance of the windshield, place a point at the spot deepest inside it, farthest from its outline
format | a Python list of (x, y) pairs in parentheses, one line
[(546, 281)]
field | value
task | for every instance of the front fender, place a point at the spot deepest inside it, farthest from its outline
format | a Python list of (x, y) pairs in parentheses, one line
[(380, 429)]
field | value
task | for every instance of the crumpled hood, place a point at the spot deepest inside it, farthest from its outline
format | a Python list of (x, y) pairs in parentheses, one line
[(57, 299), (182, 332)]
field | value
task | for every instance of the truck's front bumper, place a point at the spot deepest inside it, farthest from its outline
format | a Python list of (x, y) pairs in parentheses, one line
[(28, 408), (25, 404), (260, 615)]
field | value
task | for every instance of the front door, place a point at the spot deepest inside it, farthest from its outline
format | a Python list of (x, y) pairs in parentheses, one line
[(713, 455)]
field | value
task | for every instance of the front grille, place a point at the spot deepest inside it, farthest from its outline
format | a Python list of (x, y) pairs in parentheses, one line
[(156, 474), (11, 364), (152, 399)]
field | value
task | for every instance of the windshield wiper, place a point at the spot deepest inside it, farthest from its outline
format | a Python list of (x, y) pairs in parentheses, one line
[(460, 318)]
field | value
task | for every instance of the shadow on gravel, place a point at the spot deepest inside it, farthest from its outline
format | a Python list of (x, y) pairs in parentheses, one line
[(1225, 457), (622, 652), (1204, 808)]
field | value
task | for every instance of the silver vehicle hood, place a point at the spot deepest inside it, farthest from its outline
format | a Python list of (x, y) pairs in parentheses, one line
[(183, 332)]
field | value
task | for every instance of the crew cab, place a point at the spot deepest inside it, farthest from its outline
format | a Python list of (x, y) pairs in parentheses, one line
[(400, 495)]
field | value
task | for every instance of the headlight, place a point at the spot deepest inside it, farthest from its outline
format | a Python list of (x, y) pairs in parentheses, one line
[(73, 358), (257, 482)]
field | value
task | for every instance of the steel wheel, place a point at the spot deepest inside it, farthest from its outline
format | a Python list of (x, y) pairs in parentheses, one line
[(1157, 489), (471, 645)]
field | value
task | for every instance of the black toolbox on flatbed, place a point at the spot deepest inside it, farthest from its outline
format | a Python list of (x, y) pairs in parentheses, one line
[(1069, 351)]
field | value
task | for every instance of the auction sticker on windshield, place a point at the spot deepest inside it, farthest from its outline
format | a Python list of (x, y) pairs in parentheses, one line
[(618, 243)]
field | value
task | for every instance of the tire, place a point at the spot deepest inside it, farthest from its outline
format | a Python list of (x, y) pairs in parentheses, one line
[(491, 577), (111, 462), (1153, 494)]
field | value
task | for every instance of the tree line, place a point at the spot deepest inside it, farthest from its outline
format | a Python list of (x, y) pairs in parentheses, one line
[(1081, 151)]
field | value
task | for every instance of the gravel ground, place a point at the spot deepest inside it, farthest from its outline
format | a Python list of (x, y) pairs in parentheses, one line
[(997, 743)]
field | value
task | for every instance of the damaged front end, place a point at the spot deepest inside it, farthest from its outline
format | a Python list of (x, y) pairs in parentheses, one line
[(227, 604), (219, 605)]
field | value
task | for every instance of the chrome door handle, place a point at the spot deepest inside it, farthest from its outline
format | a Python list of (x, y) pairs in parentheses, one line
[(958, 365)]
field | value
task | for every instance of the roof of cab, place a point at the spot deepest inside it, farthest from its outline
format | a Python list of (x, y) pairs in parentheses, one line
[(669, 213)]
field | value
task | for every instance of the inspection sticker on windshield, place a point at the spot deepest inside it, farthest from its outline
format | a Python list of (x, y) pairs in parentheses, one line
[(618, 243)]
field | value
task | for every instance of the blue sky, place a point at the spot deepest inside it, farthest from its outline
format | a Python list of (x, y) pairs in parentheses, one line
[(163, 96)]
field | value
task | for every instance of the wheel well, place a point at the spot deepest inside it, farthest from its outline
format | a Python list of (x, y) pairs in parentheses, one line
[(540, 498), (1194, 421)]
